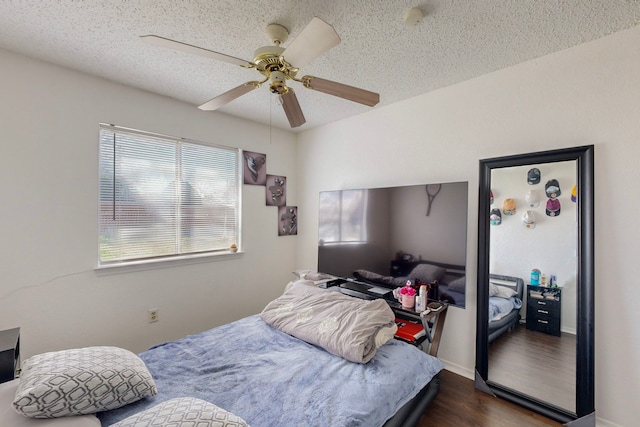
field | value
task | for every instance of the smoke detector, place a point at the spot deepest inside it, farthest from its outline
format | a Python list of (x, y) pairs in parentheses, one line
[(413, 16)]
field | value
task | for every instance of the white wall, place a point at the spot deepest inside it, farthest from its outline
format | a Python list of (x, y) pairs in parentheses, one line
[(49, 120), (585, 95)]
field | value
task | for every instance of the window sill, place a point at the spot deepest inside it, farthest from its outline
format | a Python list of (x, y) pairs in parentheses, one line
[(175, 261)]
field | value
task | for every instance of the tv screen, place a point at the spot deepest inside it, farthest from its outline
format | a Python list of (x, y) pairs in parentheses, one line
[(383, 235)]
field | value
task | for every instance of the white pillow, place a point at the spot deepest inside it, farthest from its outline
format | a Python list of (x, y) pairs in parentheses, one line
[(183, 412), (81, 381), (501, 291)]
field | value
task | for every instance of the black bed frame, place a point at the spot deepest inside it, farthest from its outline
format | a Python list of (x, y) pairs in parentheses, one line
[(509, 321), (411, 413)]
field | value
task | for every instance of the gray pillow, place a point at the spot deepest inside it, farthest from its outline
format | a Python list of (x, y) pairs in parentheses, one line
[(427, 273), (81, 381), (183, 412), (458, 285)]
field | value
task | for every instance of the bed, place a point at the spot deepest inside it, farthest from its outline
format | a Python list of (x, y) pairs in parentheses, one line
[(451, 278), (266, 377), (505, 302)]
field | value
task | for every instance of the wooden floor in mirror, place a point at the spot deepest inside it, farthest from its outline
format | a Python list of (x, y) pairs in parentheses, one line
[(459, 404), (537, 364)]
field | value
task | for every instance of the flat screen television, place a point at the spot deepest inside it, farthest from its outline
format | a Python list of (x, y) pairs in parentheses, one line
[(385, 236)]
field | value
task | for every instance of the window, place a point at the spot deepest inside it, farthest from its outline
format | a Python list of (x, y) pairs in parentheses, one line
[(164, 197), (342, 216)]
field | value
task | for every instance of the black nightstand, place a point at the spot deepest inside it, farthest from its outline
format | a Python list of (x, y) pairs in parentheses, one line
[(9, 354), (543, 309)]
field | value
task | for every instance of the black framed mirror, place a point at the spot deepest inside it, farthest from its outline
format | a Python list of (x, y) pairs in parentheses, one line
[(551, 336)]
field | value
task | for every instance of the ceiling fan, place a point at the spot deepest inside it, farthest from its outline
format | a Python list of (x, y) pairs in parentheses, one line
[(278, 65)]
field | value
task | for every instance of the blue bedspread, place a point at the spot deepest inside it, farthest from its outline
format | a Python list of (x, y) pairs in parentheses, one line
[(500, 307), (272, 379)]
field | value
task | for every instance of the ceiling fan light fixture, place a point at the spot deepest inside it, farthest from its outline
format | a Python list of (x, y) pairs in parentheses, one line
[(278, 83)]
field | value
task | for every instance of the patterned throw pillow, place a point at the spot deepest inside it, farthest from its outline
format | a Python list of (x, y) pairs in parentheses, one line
[(81, 381), (183, 412)]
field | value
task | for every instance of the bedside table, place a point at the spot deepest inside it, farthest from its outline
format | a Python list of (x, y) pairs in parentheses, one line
[(432, 322), (9, 354), (543, 309)]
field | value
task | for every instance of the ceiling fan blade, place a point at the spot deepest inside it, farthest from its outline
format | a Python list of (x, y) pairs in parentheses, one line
[(292, 109), (314, 40), (341, 90), (183, 47), (229, 96)]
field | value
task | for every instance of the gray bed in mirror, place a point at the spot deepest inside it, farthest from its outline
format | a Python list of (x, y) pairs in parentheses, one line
[(503, 321)]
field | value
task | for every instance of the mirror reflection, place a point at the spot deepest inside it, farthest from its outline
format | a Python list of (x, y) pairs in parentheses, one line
[(532, 283), (385, 236)]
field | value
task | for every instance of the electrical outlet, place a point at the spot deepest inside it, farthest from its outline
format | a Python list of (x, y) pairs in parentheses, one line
[(152, 315)]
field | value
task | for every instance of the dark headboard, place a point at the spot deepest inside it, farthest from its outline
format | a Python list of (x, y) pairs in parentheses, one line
[(509, 281)]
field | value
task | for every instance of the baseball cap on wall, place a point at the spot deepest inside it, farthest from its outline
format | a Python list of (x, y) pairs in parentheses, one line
[(529, 219), (533, 176), (553, 207), (495, 217), (509, 207), (552, 188), (532, 199)]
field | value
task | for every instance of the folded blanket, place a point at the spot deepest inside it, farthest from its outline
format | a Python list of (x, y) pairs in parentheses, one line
[(345, 326)]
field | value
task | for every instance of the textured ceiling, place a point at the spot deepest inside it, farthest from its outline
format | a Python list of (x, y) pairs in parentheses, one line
[(456, 41)]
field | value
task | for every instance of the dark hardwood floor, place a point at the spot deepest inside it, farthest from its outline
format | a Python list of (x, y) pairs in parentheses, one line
[(537, 364), (459, 404)]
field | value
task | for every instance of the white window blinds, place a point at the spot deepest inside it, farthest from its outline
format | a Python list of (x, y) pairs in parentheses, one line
[(162, 196)]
